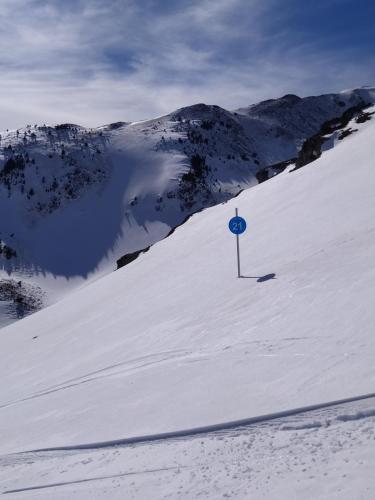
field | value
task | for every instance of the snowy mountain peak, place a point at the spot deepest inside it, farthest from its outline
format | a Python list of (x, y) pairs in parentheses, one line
[(78, 200)]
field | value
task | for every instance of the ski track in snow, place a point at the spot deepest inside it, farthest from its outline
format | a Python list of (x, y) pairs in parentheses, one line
[(285, 454), (143, 362), (188, 433), (130, 365)]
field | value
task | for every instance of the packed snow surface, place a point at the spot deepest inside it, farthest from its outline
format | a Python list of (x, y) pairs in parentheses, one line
[(175, 340), (318, 455)]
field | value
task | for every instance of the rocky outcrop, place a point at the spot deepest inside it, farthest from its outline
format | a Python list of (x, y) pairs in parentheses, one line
[(312, 147), (130, 257), (24, 298)]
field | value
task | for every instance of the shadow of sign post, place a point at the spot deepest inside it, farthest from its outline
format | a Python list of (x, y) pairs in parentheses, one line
[(261, 279)]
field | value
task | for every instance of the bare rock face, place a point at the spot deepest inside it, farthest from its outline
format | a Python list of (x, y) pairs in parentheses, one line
[(22, 298), (312, 147)]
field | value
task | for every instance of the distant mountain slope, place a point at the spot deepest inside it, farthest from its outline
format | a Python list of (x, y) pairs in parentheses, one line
[(175, 340), (75, 200)]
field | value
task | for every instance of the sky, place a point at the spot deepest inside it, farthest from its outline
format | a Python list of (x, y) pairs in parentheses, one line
[(94, 62)]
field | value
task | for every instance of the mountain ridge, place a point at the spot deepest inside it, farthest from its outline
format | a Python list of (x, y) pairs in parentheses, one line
[(78, 200)]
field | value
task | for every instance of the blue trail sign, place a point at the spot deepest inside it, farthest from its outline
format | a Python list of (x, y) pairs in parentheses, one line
[(237, 225)]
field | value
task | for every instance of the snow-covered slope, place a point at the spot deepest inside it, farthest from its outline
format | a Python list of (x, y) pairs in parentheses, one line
[(323, 454), (174, 340), (74, 200)]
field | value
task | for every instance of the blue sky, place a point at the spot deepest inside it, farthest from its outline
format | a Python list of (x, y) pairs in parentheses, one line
[(98, 61)]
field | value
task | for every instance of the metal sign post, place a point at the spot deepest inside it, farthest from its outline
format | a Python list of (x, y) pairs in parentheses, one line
[(238, 251), (237, 225)]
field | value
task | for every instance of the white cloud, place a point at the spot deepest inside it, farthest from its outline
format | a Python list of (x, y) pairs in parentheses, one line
[(97, 61)]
